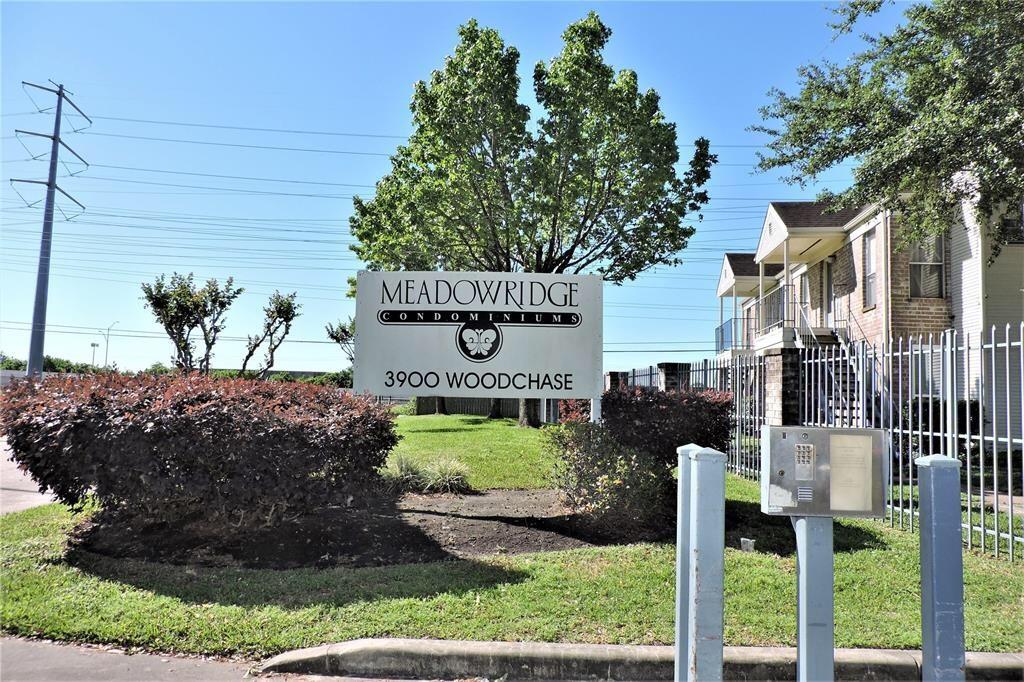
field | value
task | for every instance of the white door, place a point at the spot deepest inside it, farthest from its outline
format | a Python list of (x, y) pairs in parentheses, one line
[(829, 296)]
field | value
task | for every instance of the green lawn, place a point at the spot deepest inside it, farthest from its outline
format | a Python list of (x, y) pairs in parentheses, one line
[(618, 594), (498, 452)]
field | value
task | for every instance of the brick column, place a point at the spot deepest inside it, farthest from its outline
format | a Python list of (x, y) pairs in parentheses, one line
[(782, 387), (615, 380), (673, 376)]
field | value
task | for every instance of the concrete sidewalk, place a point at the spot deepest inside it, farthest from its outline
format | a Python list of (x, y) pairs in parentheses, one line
[(23, 660), (17, 490)]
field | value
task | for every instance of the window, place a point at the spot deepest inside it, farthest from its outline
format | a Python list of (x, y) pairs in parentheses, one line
[(870, 295), (927, 268), (1012, 227)]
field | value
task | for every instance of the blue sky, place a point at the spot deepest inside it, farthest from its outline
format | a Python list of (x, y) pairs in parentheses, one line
[(339, 68)]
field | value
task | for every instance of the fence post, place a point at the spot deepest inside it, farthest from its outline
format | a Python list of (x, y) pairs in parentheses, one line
[(942, 569), (682, 556), (705, 622)]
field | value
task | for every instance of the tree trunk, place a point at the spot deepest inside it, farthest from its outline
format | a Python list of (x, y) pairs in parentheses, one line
[(440, 407), (494, 411), (529, 412)]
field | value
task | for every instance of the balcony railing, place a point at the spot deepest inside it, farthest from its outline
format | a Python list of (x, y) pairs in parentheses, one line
[(724, 336), (734, 334), (775, 310)]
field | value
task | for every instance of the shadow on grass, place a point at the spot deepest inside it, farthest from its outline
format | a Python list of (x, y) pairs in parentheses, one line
[(775, 535), (464, 424), (568, 526), (298, 588), (337, 556)]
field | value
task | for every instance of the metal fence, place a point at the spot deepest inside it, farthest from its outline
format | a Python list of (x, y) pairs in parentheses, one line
[(946, 394), (744, 377)]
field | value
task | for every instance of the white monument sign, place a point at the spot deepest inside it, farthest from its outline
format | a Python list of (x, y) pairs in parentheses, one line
[(479, 334)]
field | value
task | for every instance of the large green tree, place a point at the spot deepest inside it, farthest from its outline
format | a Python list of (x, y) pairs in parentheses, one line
[(933, 113), (591, 186)]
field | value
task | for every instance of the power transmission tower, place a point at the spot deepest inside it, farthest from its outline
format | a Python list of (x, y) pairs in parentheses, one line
[(35, 353)]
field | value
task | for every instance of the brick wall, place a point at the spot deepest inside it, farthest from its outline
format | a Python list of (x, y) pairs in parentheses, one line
[(909, 316), (782, 387), (913, 316)]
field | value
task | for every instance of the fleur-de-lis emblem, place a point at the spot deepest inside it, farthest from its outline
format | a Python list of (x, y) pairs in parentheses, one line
[(478, 341)]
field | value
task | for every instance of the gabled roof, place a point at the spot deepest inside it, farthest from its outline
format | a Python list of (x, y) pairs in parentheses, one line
[(807, 229), (812, 214), (740, 274), (744, 265)]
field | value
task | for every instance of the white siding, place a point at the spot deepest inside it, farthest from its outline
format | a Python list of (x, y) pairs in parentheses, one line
[(1004, 305), (966, 259)]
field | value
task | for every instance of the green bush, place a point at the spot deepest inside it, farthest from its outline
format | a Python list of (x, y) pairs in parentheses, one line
[(50, 364), (7, 362), (619, 487), (173, 448), (660, 421), (161, 368), (342, 379), (405, 409)]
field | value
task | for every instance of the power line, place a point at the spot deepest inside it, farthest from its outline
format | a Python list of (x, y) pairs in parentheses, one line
[(231, 177), (329, 133), (239, 145), (240, 190), (157, 336), (710, 185)]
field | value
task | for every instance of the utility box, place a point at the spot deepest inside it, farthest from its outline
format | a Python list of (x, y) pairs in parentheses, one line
[(823, 472)]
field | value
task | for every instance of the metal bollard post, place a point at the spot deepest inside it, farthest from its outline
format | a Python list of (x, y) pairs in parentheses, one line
[(705, 592), (815, 614), (942, 569), (682, 555)]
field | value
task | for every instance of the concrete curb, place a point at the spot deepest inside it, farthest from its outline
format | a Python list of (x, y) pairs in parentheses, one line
[(445, 659)]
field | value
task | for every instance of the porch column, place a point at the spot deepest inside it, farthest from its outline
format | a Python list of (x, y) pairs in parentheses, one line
[(721, 311), (786, 282), (760, 295), (736, 327)]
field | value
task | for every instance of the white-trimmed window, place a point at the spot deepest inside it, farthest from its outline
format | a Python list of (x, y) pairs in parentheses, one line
[(870, 284), (927, 268), (1013, 226)]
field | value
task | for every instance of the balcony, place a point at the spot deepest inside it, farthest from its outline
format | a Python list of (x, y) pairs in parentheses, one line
[(775, 310), (735, 334), (779, 319)]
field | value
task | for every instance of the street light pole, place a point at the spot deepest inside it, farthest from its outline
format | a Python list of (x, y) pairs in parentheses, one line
[(106, 345), (94, 347)]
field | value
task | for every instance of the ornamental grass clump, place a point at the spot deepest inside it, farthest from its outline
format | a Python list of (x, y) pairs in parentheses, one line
[(172, 449)]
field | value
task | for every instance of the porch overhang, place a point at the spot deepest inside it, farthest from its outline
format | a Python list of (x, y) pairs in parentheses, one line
[(804, 231), (744, 287), (805, 245), (739, 276)]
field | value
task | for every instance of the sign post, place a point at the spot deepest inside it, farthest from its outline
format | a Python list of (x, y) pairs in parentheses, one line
[(815, 610), (479, 335)]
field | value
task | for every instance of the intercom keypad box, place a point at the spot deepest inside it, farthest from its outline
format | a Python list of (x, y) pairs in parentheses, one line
[(823, 472)]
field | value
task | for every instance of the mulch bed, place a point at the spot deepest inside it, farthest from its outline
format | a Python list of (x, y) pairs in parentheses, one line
[(414, 529)]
